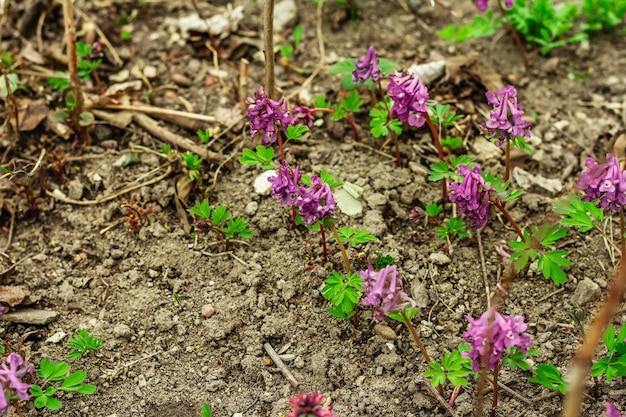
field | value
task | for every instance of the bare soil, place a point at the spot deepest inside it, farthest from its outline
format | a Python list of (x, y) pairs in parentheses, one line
[(162, 357)]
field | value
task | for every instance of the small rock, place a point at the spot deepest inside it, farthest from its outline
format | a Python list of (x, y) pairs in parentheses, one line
[(122, 330), (285, 15), (180, 79), (376, 200), (486, 150), (150, 72), (141, 381), (208, 310), (251, 208), (56, 338), (75, 189), (31, 316), (261, 185), (120, 77), (586, 292), (439, 258), (385, 332), (388, 360)]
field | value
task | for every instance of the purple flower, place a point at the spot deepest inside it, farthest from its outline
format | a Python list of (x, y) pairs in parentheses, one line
[(383, 291), (472, 195), (316, 201), (604, 182), (303, 116), (285, 186), (611, 411), (305, 405), (409, 97), (492, 334), (11, 373), (267, 115), (505, 120), (368, 68), (2, 310)]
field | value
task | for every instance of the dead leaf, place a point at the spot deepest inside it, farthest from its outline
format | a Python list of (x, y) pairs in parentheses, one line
[(182, 215), (184, 185), (12, 295), (30, 54), (30, 113)]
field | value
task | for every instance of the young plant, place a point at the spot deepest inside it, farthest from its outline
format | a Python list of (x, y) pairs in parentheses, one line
[(58, 372), (550, 377), (192, 162), (454, 368), (536, 245), (212, 218), (287, 50), (207, 411), (602, 14), (82, 343), (477, 28), (614, 364), (344, 292)]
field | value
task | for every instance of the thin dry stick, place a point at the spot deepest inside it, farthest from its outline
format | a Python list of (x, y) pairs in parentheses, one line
[(216, 64), (156, 110), (110, 197), (72, 67), (280, 365), (243, 81), (268, 45), (581, 364)]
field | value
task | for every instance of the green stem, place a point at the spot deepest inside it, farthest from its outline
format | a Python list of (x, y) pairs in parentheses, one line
[(507, 161), (433, 131), (346, 260), (510, 219), (324, 250), (621, 228), (390, 118)]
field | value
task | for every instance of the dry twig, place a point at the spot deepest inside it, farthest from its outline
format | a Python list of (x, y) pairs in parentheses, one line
[(280, 365)]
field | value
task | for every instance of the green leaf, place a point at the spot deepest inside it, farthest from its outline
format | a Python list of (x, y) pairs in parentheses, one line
[(237, 226), (40, 401), (86, 389), (583, 215), (609, 338), (550, 264), (549, 377), (201, 209), (386, 66), (342, 67), (296, 132), (220, 214), (207, 410), (53, 404), (13, 80), (352, 102), (73, 379), (439, 171)]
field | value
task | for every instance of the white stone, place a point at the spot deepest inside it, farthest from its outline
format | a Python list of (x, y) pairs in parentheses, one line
[(261, 185), (56, 338)]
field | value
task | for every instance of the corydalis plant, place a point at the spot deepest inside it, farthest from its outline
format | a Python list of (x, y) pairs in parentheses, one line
[(12, 371), (505, 125), (605, 183), (383, 291), (313, 203)]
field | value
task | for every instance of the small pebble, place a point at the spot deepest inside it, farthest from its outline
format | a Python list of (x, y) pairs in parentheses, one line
[(180, 80), (439, 258), (208, 310), (385, 332), (56, 338)]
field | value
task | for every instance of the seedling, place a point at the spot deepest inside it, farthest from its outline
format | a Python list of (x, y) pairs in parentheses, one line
[(56, 372), (344, 292), (82, 343), (614, 364), (212, 218), (453, 368), (550, 377), (207, 411)]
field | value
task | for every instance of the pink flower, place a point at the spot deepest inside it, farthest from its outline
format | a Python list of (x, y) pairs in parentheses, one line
[(505, 120), (383, 291), (410, 98), (305, 405), (605, 183), (367, 68), (492, 334), (266, 115), (471, 195), (611, 411)]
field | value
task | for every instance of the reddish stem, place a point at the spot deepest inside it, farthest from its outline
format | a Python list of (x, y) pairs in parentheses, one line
[(324, 249), (518, 40), (494, 401), (281, 145), (455, 393), (294, 213), (510, 219)]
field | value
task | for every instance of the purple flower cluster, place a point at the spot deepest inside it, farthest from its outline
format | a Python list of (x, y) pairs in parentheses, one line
[(492, 334), (367, 68), (482, 4), (11, 373), (314, 203), (611, 411), (409, 97), (383, 291), (605, 183), (505, 120), (471, 196), (267, 115), (305, 405)]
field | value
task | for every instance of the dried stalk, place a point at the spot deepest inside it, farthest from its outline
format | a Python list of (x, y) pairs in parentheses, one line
[(268, 45), (581, 364), (72, 67)]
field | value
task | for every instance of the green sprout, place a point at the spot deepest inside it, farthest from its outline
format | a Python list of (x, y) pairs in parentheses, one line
[(344, 292), (217, 220), (613, 364), (550, 377), (83, 342)]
